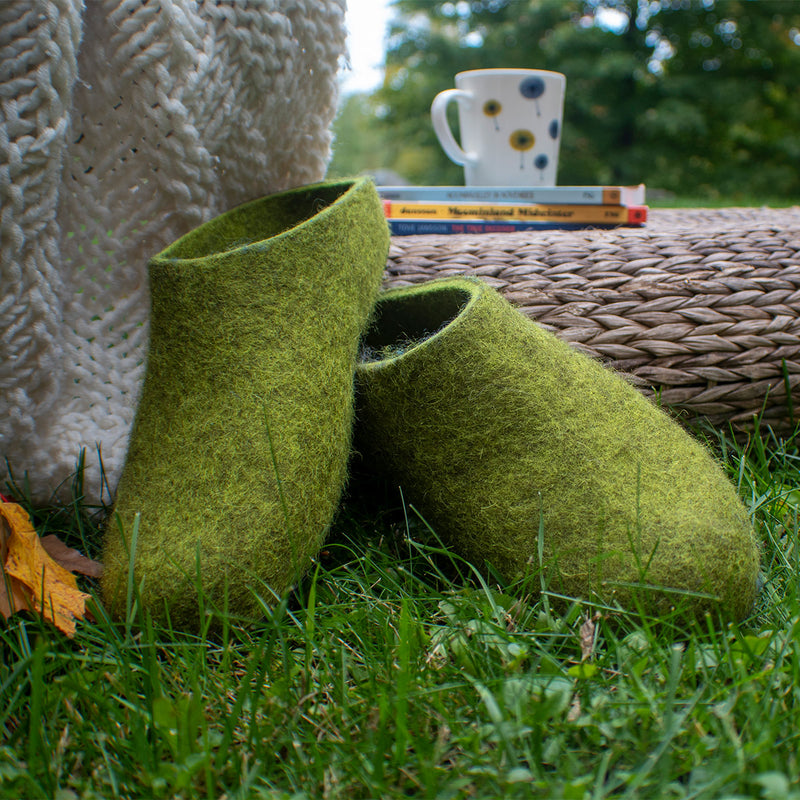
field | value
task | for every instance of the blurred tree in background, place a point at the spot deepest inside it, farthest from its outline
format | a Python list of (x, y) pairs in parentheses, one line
[(698, 97)]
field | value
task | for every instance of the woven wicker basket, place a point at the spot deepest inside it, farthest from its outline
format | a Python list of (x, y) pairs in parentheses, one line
[(701, 306)]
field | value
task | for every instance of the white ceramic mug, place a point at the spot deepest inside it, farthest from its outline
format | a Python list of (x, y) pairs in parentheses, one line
[(510, 121)]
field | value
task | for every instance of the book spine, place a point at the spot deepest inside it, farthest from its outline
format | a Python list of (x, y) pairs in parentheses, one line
[(411, 227), (580, 195), (532, 212)]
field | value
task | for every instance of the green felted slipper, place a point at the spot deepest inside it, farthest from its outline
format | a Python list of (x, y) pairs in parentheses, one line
[(238, 452), (494, 426)]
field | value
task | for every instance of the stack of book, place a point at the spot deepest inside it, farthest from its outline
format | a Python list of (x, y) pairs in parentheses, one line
[(501, 209)]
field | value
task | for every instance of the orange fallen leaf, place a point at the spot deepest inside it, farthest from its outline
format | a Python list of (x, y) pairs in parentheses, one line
[(31, 579)]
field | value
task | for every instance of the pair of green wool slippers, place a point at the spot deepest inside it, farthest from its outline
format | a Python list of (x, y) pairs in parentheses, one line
[(503, 436)]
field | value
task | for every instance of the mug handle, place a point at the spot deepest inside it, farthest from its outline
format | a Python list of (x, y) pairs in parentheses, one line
[(442, 129)]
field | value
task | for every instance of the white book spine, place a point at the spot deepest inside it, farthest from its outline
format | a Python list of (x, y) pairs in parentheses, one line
[(589, 195)]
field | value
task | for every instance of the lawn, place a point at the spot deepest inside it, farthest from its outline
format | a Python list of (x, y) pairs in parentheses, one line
[(396, 670), (659, 199)]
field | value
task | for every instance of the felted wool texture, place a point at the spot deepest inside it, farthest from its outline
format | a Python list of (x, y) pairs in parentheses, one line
[(239, 448), (123, 125), (491, 424)]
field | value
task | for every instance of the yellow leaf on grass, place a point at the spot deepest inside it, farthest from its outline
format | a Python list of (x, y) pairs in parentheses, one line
[(12, 594), (36, 582)]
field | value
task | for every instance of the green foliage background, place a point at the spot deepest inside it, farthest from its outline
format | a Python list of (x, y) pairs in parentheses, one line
[(697, 97)]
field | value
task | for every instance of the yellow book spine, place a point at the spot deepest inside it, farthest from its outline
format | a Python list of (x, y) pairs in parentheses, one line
[(524, 213)]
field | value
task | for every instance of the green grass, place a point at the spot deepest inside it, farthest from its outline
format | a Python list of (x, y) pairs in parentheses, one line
[(396, 670), (658, 200)]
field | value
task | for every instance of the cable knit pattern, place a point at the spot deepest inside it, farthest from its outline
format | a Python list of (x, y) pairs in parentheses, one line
[(124, 124)]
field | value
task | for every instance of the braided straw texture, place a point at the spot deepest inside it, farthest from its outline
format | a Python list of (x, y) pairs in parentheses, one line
[(701, 306), (124, 124)]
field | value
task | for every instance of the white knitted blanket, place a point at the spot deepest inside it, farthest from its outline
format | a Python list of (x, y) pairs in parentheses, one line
[(124, 124)]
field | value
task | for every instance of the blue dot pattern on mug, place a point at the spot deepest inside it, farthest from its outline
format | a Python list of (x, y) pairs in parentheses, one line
[(532, 88)]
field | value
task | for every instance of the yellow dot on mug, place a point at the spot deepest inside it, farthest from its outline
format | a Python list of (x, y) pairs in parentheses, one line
[(522, 139), (492, 108)]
